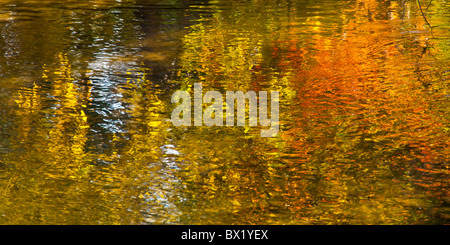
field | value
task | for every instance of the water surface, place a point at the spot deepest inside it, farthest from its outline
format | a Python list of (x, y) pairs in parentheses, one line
[(86, 137)]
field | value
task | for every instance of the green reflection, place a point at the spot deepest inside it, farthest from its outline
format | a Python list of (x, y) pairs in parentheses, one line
[(85, 136)]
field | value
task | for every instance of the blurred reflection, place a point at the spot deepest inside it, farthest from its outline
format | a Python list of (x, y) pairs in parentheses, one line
[(85, 136)]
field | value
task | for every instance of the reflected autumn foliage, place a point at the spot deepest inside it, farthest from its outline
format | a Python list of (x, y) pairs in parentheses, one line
[(365, 131), (363, 113)]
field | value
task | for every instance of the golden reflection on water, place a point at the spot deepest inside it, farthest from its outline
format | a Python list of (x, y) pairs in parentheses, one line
[(86, 137)]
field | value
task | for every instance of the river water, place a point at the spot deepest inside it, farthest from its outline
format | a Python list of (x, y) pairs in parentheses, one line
[(85, 109)]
